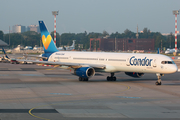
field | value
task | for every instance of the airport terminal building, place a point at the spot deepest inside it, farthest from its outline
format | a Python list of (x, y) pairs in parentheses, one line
[(123, 44)]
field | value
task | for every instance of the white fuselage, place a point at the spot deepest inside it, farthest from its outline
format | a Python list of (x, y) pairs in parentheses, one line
[(116, 62)]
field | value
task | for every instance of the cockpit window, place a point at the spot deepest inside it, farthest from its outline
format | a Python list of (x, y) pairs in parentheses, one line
[(167, 62)]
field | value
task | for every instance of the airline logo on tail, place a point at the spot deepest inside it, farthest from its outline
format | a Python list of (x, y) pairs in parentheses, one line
[(48, 43)]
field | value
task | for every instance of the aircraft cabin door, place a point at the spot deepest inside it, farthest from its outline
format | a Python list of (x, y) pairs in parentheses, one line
[(154, 64), (127, 61)]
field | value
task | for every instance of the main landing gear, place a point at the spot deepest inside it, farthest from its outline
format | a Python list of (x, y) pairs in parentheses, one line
[(111, 78), (83, 79), (158, 82)]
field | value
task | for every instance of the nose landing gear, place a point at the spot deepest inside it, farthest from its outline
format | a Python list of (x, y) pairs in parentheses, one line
[(158, 82)]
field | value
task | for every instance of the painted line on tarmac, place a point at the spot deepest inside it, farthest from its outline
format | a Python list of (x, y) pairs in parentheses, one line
[(128, 87), (60, 93), (30, 112), (127, 97), (50, 69)]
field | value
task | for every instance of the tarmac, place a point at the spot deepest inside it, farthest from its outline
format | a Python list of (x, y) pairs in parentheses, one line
[(31, 92)]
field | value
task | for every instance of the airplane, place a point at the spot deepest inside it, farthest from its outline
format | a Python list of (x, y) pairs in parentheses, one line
[(72, 47), (68, 48), (5, 57), (86, 64), (28, 48), (171, 51), (61, 48)]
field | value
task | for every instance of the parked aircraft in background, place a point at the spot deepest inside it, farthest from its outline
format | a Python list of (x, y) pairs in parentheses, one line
[(61, 48), (72, 47), (18, 48), (4, 57), (68, 48), (171, 51), (28, 48), (37, 48), (86, 64)]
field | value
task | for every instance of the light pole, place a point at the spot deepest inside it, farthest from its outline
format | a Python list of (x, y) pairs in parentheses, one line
[(176, 12), (9, 36), (55, 13), (161, 46)]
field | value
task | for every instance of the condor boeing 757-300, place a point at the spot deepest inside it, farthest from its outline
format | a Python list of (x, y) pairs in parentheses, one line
[(85, 64)]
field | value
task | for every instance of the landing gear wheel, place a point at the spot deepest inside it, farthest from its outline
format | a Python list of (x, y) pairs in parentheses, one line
[(111, 78), (114, 78), (158, 83), (83, 79), (80, 78), (108, 78)]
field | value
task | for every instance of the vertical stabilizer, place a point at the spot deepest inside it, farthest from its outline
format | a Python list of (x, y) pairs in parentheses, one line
[(48, 43), (5, 53), (158, 51), (73, 44)]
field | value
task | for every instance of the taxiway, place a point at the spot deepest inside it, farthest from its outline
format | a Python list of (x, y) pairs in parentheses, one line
[(31, 92)]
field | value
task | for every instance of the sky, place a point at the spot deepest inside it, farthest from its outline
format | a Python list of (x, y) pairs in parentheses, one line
[(77, 16)]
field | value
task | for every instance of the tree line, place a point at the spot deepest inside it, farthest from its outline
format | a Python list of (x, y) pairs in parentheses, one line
[(31, 38)]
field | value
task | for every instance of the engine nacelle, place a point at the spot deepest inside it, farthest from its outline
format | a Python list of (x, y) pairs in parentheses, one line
[(134, 74), (84, 72)]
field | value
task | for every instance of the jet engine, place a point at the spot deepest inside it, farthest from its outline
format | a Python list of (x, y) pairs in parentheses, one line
[(84, 72), (134, 74)]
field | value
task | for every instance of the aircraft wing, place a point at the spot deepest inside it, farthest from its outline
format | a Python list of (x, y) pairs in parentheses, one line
[(35, 56), (71, 65)]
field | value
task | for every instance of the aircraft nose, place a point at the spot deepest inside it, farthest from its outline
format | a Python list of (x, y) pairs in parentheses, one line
[(174, 68)]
